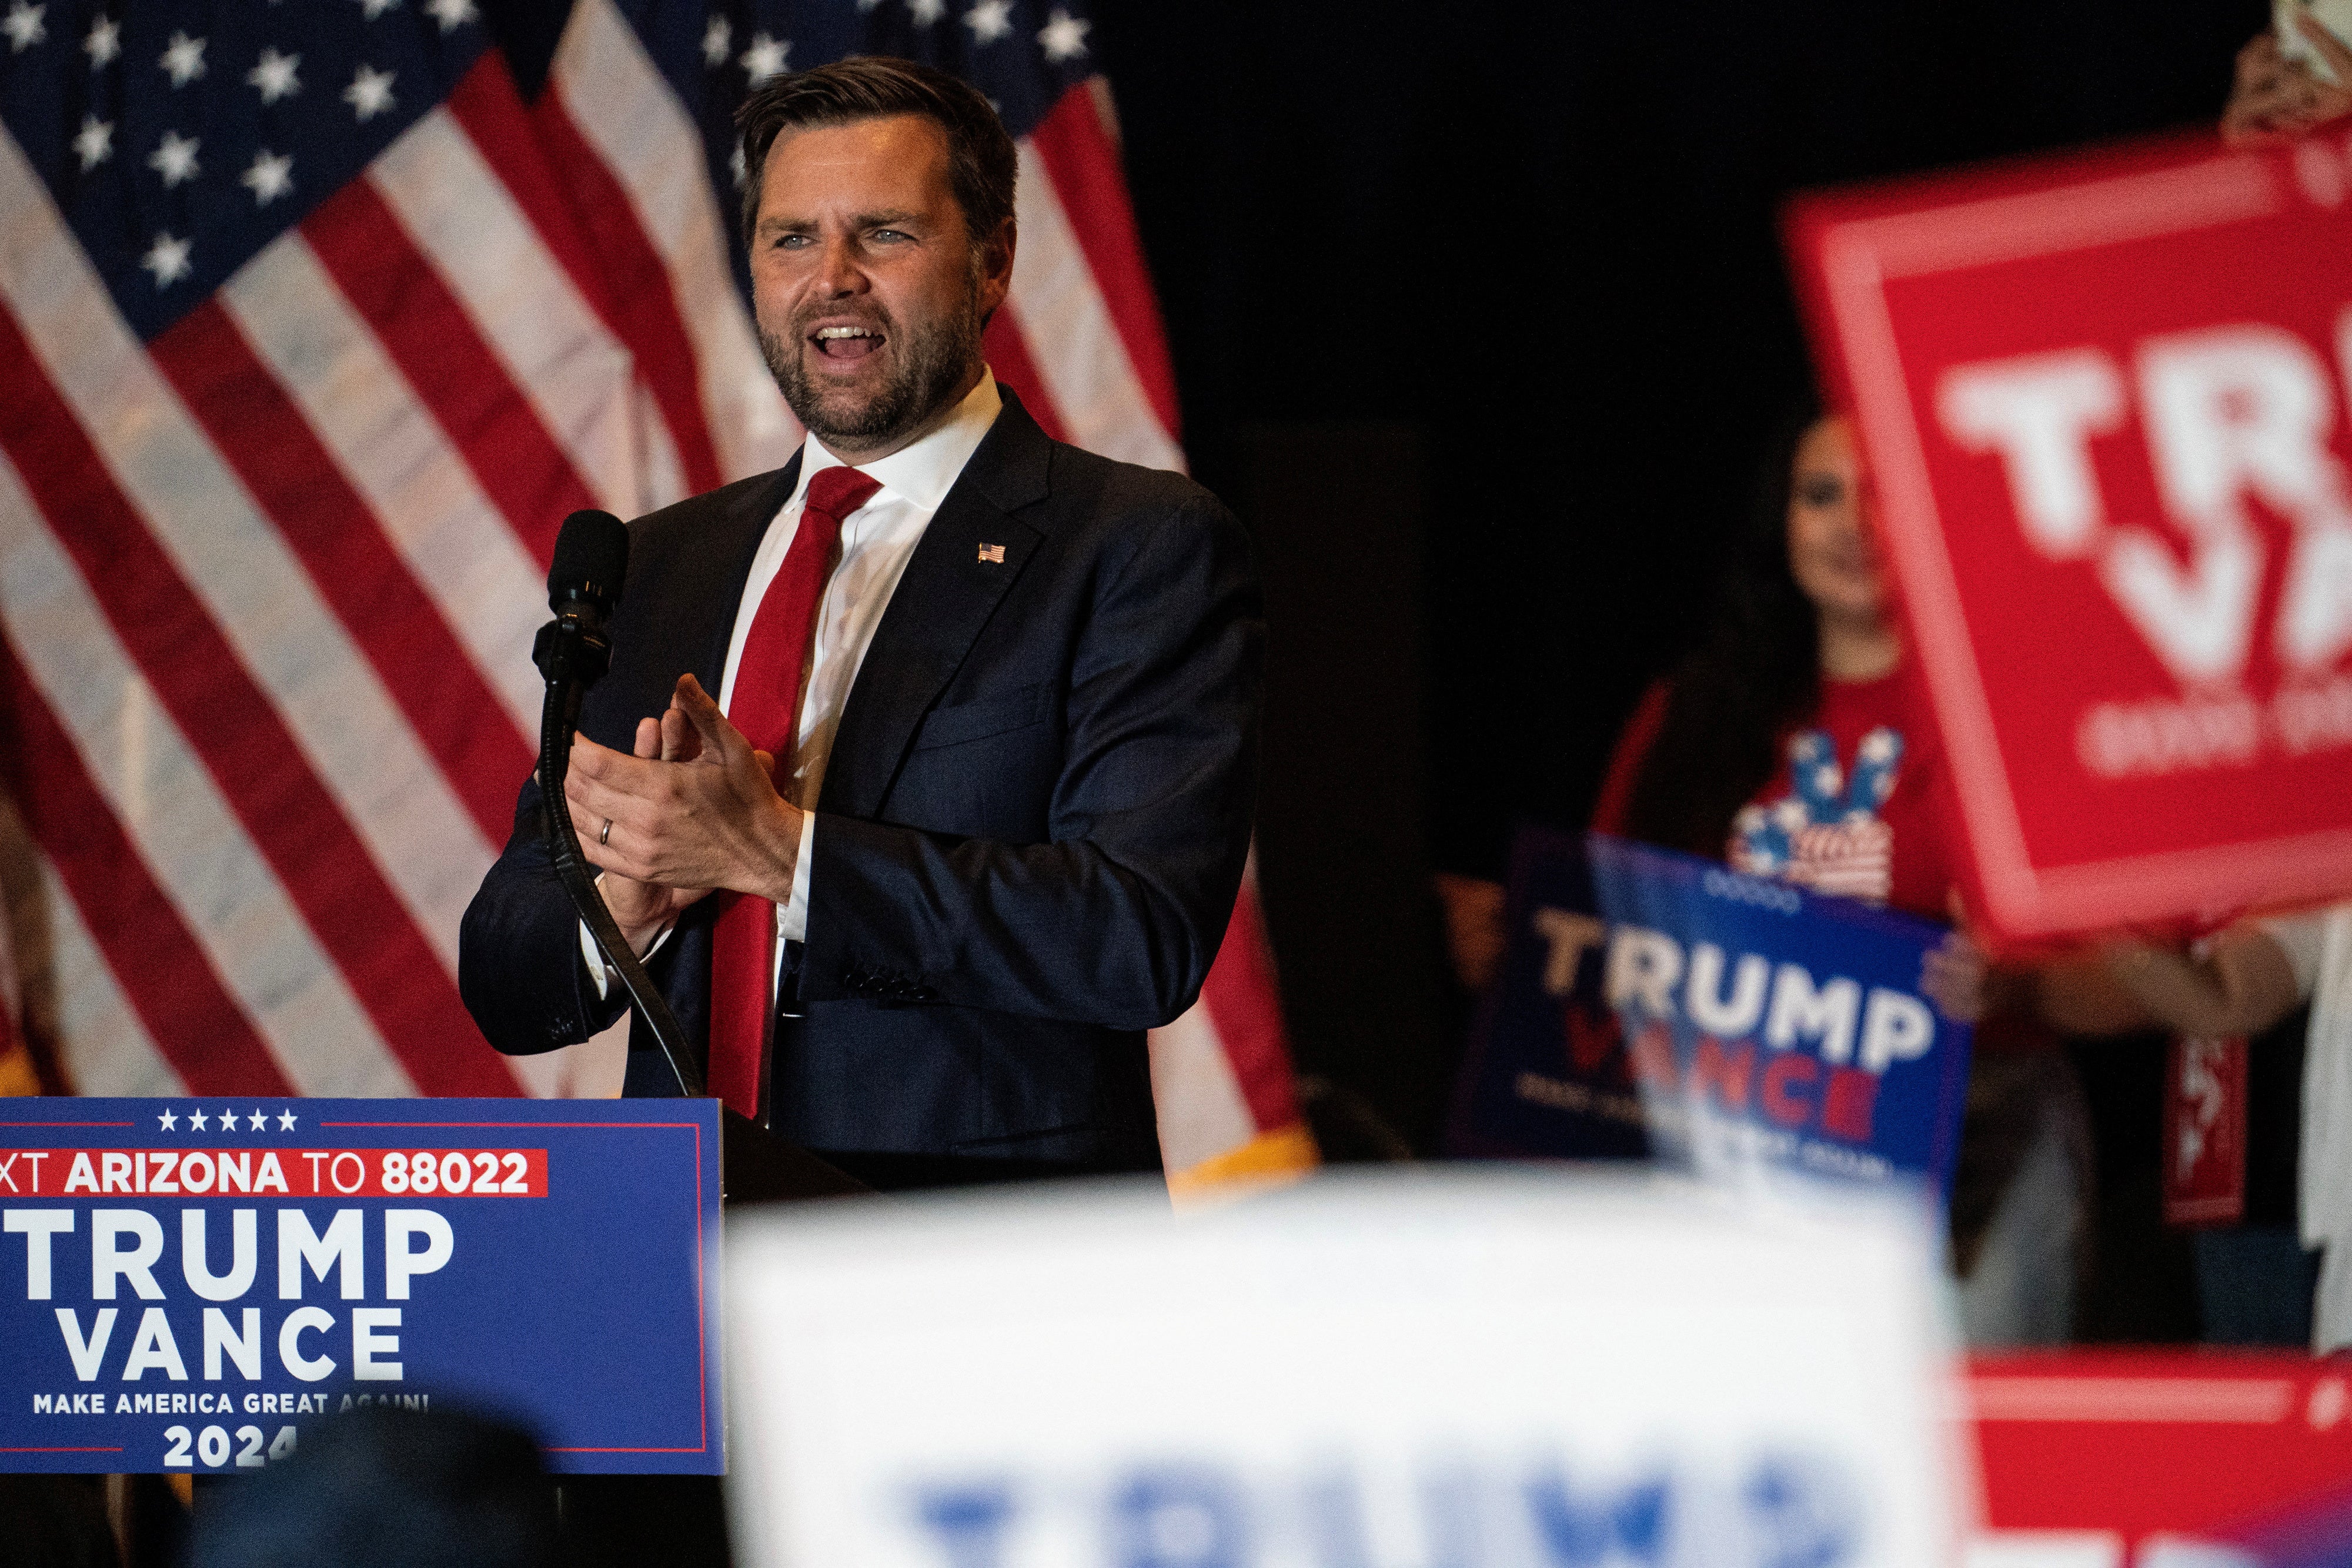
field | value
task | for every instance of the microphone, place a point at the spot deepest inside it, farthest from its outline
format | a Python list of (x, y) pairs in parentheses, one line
[(592, 560)]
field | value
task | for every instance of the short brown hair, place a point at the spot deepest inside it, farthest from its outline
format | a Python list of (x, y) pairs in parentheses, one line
[(982, 166)]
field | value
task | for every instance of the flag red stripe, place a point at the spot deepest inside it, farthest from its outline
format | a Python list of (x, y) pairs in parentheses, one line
[(1244, 1004), (450, 367), (394, 620), (155, 957), (636, 298), (1079, 154), (486, 107), (254, 760), (1008, 359)]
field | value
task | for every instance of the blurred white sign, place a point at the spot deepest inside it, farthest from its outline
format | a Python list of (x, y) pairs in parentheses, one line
[(1513, 1369)]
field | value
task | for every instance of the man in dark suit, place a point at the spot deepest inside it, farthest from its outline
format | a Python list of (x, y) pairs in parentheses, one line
[(970, 812)]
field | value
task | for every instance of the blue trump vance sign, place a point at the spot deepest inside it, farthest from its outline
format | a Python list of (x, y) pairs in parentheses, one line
[(1656, 1002), (185, 1284)]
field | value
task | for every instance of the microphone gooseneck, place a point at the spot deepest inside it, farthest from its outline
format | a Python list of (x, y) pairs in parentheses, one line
[(592, 560)]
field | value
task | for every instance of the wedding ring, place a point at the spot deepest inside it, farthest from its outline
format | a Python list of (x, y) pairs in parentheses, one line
[(606, 835)]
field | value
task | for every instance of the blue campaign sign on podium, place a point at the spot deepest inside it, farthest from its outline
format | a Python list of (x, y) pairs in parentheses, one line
[(189, 1283), (1656, 1002)]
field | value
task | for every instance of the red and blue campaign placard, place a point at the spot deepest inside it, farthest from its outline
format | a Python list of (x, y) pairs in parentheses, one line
[(1653, 1002), (187, 1284), (2104, 401)]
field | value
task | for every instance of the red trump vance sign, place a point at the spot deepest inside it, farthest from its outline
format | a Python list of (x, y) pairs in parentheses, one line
[(2104, 398)]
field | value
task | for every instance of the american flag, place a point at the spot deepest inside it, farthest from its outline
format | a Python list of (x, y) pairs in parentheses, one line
[(313, 326)]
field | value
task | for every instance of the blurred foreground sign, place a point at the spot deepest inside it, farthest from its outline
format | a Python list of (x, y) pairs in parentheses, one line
[(1739, 1024), (2104, 400), (2164, 1459), (185, 1284), (1500, 1370)]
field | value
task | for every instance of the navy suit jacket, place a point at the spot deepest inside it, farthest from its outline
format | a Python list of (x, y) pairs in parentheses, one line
[(1031, 831)]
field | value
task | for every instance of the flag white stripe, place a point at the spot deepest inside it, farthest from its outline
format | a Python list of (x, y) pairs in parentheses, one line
[(67, 993), (1071, 338), (628, 114), (487, 585), (353, 736), (1202, 1111), (593, 1070), (575, 373), (173, 814)]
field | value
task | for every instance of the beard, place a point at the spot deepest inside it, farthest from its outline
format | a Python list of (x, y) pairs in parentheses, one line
[(930, 361)]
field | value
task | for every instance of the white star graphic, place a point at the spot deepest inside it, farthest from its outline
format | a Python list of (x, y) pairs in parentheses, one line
[(764, 58), (285, 1121), (372, 9), (258, 1121), (1064, 37), (170, 1121), (183, 59), (717, 38), (370, 93), (167, 258), (927, 12), (23, 25), (451, 13), (102, 42), (274, 75), (271, 176), (175, 158), (990, 20), (96, 141), (196, 1118)]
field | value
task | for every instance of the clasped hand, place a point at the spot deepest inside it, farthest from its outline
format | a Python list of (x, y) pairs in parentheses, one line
[(694, 809)]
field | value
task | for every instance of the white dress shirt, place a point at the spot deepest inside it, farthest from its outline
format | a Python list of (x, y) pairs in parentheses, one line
[(876, 541), (2318, 948)]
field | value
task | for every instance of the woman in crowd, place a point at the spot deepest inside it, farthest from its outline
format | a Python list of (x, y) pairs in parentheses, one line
[(1804, 668)]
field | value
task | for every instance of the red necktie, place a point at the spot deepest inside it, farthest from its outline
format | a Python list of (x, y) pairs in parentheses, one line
[(765, 706)]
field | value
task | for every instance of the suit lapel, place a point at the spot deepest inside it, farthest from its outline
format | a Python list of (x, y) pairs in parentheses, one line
[(729, 549), (952, 586)]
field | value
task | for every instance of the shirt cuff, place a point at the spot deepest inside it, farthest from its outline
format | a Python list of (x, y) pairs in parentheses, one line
[(601, 975), (791, 923)]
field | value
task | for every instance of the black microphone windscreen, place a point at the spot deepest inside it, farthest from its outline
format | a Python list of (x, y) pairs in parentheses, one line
[(592, 558)]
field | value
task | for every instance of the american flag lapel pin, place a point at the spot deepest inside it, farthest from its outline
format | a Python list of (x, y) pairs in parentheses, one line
[(991, 555)]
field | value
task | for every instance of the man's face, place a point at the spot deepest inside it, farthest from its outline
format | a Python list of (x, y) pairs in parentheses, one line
[(868, 290)]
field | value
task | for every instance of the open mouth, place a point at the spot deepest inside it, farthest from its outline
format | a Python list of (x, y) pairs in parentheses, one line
[(846, 344)]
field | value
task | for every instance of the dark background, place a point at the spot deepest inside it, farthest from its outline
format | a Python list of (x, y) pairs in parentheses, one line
[(1479, 317)]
